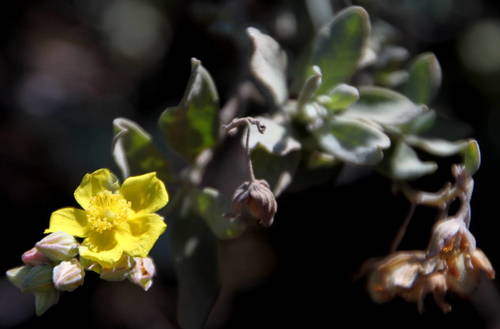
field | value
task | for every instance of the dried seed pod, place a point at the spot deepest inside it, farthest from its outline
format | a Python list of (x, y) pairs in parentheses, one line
[(257, 199), (450, 235)]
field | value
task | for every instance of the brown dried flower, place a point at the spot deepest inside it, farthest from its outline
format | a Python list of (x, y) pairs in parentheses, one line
[(257, 199)]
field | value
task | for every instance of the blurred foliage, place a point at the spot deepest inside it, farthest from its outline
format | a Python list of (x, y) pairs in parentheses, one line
[(335, 85)]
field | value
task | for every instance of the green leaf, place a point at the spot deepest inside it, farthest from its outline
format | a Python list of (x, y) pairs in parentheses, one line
[(268, 65), (436, 146), (424, 80), (193, 125), (194, 250), (275, 139), (310, 86), (353, 141), (420, 124), (339, 46), (45, 300), (402, 163), (340, 97), (472, 156), (135, 153), (212, 208), (383, 106), (275, 154)]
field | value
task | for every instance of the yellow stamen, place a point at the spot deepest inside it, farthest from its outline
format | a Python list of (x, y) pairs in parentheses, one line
[(106, 210)]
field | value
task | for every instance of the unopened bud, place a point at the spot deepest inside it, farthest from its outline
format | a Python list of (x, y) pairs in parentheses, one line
[(58, 246), (257, 199), (68, 275), (17, 275), (143, 272), (34, 257), (37, 279), (120, 271), (44, 300)]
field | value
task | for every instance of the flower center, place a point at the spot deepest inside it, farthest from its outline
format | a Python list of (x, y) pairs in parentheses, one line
[(106, 210)]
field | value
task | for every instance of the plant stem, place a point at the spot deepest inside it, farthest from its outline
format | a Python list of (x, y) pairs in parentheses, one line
[(402, 230)]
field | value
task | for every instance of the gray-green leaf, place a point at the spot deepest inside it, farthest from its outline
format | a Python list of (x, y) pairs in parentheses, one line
[(212, 208), (193, 125), (268, 65), (402, 163), (135, 153), (383, 106), (194, 249), (275, 154), (424, 80), (339, 46), (353, 141), (340, 97)]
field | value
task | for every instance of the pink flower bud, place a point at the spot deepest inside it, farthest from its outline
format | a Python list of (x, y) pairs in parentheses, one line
[(34, 257)]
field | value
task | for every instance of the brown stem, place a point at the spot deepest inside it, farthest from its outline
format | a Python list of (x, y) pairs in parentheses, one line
[(402, 230)]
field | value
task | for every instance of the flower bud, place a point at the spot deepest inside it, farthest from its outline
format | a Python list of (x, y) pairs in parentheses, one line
[(143, 272), (58, 246), (120, 271), (257, 199), (44, 300), (68, 275), (34, 257), (17, 275), (37, 279)]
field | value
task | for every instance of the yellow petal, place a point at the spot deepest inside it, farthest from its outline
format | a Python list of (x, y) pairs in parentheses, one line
[(146, 192), (70, 220), (98, 181), (102, 249), (138, 235)]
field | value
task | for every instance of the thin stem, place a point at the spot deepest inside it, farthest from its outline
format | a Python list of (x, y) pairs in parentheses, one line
[(232, 129), (249, 156), (402, 230)]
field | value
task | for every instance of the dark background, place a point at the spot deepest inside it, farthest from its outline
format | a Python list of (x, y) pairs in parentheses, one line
[(68, 68)]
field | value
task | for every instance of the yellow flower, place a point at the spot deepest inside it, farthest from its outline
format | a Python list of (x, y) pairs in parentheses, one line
[(115, 219)]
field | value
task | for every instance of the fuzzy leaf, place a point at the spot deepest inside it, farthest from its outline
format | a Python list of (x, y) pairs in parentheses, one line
[(194, 250), (439, 147), (340, 97), (383, 106), (268, 65), (424, 80), (402, 163), (212, 208), (274, 154), (339, 46), (193, 125), (353, 141), (135, 153), (420, 124), (472, 156)]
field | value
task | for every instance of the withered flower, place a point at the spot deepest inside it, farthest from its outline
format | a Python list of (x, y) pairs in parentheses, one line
[(257, 199)]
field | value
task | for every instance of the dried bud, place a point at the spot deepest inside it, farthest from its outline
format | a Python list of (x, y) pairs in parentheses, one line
[(58, 246), (143, 272), (481, 262), (34, 257), (450, 235), (257, 199), (68, 275), (120, 271), (394, 274), (44, 300), (37, 279)]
